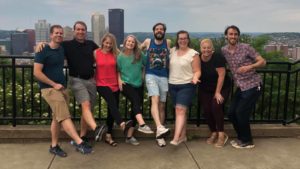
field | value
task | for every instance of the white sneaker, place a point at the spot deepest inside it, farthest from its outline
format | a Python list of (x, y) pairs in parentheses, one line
[(161, 142), (132, 141), (145, 129), (162, 132)]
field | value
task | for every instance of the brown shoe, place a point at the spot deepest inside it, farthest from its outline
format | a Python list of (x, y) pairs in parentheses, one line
[(212, 139), (221, 141)]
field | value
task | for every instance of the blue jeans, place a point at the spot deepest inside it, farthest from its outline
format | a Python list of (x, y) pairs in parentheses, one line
[(242, 105)]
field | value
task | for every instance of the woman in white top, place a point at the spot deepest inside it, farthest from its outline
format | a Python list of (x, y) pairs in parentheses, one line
[(184, 75)]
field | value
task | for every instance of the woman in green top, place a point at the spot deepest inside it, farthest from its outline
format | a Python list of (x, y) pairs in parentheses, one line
[(130, 67)]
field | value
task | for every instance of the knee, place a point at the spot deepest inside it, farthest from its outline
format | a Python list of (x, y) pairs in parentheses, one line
[(86, 105), (180, 110)]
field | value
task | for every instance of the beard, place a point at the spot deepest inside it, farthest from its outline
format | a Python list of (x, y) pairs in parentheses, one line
[(232, 42), (159, 36)]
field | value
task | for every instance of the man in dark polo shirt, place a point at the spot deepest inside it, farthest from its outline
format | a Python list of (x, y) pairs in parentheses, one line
[(79, 55), (48, 69)]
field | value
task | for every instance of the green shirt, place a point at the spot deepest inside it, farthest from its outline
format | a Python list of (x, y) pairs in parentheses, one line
[(131, 73)]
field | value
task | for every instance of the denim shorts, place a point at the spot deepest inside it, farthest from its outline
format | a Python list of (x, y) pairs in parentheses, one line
[(83, 90), (157, 86), (182, 94)]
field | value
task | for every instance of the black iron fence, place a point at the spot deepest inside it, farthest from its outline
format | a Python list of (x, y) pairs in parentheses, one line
[(21, 102)]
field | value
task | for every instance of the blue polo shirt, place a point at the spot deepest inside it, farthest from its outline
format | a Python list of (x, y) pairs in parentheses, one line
[(53, 64)]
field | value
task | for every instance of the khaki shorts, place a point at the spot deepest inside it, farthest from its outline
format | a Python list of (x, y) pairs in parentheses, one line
[(58, 100)]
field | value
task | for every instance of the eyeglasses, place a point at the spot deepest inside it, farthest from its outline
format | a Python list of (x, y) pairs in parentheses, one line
[(182, 38)]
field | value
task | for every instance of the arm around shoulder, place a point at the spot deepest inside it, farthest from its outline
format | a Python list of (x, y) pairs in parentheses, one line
[(169, 43), (145, 45)]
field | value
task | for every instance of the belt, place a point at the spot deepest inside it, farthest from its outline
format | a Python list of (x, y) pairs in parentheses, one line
[(85, 77)]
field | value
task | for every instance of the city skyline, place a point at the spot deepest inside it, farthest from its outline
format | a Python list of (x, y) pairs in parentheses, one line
[(140, 16)]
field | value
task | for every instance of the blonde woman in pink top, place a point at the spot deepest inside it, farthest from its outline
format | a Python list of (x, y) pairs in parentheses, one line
[(107, 84)]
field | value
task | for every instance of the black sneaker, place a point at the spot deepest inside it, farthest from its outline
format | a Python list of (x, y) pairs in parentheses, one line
[(83, 138), (57, 151), (84, 148), (128, 124), (242, 145), (99, 131)]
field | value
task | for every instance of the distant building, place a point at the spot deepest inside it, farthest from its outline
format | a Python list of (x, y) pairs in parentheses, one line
[(68, 33), (5, 46), (98, 27), (296, 53), (116, 24), (284, 49), (19, 43), (277, 48), (270, 48), (31, 39), (42, 29), (89, 35)]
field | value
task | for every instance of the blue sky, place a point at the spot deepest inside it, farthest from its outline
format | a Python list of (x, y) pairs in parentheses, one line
[(141, 15)]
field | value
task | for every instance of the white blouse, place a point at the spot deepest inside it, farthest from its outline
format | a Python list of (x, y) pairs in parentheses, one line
[(181, 70)]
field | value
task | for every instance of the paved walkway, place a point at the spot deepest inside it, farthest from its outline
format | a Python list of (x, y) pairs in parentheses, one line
[(269, 153)]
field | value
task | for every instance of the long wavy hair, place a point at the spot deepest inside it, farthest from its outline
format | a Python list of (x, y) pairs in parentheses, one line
[(136, 50)]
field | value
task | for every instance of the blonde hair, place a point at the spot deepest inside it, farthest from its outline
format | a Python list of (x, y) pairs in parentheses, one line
[(136, 50), (209, 41), (115, 50)]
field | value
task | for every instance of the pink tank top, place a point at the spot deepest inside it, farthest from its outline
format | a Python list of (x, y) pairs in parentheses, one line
[(106, 70)]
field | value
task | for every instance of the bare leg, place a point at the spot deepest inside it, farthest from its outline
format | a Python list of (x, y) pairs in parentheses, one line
[(69, 128), (162, 116), (83, 127), (130, 132), (183, 132), (180, 122), (155, 110), (88, 117), (54, 132), (140, 119)]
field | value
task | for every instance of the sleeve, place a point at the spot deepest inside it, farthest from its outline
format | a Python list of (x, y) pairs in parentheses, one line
[(40, 57), (252, 53), (219, 60), (172, 51), (192, 53)]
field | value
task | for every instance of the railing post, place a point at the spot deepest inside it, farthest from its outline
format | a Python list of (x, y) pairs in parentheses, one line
[(14, 97), (286, 98)]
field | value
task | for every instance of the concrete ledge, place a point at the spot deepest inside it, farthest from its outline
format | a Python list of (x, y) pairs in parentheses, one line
[(34, 133)]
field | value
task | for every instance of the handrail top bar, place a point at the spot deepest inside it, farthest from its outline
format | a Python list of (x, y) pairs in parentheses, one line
[(32, 57)]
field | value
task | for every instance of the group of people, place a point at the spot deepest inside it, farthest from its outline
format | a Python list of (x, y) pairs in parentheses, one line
[(176, 70)]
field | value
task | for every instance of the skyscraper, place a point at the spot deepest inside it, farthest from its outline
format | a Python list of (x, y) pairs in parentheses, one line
[(42, 29), (19, 43), (98, 27), (68, 33), (116, 24), (31, 39)]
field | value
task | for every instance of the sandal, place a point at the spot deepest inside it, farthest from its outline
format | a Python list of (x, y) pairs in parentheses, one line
[(108, 140), (221, 141), (212, 139), (111, 143)]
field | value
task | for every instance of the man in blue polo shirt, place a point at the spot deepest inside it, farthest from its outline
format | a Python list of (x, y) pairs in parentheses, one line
[(48, 69)]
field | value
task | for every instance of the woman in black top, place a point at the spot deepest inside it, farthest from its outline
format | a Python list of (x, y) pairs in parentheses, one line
[(214, 90)]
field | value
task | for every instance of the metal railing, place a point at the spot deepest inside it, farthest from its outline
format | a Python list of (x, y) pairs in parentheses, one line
[(21, 101)]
